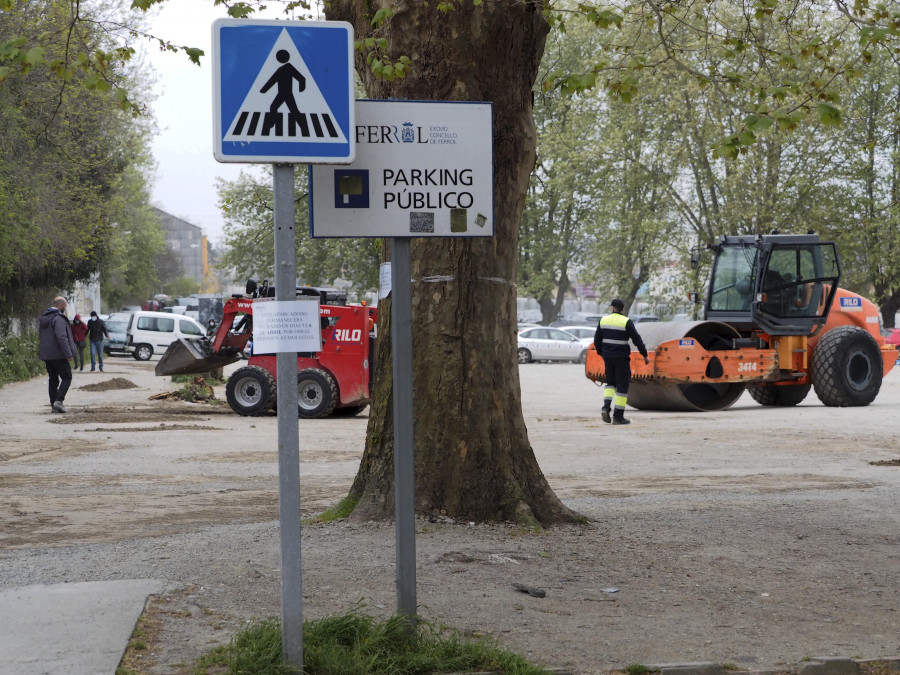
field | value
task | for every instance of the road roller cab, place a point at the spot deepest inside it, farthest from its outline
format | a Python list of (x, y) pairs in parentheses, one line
[(777, 324), (780, 284)]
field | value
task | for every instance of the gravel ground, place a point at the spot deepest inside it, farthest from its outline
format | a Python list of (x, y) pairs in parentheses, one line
[(754, 537)]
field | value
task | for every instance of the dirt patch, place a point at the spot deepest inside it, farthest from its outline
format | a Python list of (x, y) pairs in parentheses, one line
[(109, 385), (162, 622), (129, 414), (162, 427), (886, 462)]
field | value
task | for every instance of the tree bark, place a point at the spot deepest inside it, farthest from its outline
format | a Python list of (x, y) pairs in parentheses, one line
[(472, 455)]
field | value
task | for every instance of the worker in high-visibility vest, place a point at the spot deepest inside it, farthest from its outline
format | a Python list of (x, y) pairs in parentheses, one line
[(611, 341)]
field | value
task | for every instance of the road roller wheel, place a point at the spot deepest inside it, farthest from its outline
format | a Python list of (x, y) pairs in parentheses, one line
[(692, 396), (846, 367), (784, 395)]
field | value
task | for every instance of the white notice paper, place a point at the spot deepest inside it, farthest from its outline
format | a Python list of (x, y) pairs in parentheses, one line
[(384, 280), (287, 326)]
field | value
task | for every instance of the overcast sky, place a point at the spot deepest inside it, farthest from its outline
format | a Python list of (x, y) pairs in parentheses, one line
[(186, 173)]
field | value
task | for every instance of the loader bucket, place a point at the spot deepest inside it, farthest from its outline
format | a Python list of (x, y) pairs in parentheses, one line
[(693, 396), (191, 357)]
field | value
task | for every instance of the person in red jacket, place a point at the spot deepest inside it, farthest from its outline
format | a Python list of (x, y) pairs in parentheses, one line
[(79, 334)]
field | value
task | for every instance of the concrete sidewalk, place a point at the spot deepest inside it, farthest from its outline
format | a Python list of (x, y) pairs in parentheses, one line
[(70, 629)]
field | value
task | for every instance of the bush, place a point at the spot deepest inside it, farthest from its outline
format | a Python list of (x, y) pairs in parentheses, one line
[(19, 358)]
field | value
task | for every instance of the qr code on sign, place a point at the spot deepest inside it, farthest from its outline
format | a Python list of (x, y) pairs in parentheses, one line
[(421, 222)]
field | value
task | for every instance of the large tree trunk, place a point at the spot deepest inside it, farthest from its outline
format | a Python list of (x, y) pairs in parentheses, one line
[(472, 455)]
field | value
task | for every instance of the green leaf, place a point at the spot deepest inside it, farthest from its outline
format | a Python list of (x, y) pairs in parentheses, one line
[(194, 54), (756, 123), (240, 10), (829, 115), (382, 15), (92, 80), (34, 55)]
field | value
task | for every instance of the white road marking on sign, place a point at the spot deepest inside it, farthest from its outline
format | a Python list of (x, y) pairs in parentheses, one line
[(285, 103)]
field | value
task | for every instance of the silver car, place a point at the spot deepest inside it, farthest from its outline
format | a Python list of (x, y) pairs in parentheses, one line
[(116, 324), (550, 344), (584, 333)]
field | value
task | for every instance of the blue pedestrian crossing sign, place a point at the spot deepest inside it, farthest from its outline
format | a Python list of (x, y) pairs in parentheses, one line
[(283, 91)]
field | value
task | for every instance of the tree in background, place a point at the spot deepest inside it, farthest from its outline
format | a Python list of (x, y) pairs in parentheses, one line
[(249, 239), (568, 184), (869, 231), (634, 233), (70, 156), (667, 191), (181, 287), (132, 274)]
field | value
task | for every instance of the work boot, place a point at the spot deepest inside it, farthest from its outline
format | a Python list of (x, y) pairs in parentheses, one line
[(59, 407), (604, 415), (620, 420)]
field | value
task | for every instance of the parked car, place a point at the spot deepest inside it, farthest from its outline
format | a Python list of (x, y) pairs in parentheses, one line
[(522, 325), (892, 337), (151, 333), (550, 344), (117, 325), (584, 333)]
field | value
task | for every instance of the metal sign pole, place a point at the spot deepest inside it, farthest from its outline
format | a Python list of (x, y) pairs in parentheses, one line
[(288, 431), (404, 475)]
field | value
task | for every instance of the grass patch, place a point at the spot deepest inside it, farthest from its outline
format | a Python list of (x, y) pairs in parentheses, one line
[(340, 510), (357, 644), (636, 669), (19, 358)]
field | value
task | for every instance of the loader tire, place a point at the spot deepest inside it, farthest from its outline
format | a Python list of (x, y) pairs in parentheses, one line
[(846, 367), (250, 391), (784, 395), (317, 393)]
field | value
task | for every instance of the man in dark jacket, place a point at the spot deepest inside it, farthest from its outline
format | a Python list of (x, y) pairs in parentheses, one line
[(611, 341), (56, 349), (96, 331)]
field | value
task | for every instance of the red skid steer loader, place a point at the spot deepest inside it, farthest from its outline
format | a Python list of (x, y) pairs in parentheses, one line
[(337, 380)]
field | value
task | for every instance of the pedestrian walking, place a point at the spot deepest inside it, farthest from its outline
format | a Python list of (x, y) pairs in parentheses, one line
[(56, 348), (96, 332), (611, 341), (79, 334)]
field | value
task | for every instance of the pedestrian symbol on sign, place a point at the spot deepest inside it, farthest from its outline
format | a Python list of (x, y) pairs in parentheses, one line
[(284, 77), (284, 103)]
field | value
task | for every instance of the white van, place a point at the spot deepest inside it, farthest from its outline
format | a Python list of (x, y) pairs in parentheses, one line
[(151, 333)]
